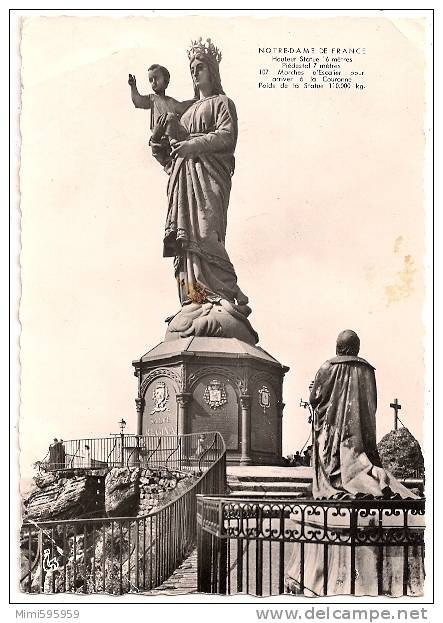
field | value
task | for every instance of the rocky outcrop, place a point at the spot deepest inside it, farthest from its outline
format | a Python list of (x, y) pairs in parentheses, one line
[(80, 558), (401, 454), (122, 492), (64, 498)]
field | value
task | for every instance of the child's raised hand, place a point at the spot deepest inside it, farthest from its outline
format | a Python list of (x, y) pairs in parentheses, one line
[(131, 81)]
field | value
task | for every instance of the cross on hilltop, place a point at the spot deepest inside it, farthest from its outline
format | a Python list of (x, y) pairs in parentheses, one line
[(396, 406)]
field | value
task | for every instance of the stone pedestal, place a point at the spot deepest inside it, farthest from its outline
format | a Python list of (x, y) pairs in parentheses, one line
[(203, 384)]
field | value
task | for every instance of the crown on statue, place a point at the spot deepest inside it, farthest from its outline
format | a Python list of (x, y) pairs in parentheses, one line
[(204, 48)]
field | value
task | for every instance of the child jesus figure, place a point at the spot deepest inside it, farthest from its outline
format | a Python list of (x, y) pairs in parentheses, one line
[(165, 111)]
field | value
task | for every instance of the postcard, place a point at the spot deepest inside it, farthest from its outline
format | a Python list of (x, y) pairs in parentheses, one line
[(224, 224)]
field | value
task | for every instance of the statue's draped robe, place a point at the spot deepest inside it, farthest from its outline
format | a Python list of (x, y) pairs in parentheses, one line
[(346, 461), (345, 455), (198, 198)]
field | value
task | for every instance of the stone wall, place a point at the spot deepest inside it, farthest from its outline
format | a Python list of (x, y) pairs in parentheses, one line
[(159, 487)]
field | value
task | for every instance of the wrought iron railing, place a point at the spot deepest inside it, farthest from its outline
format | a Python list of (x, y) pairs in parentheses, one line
[(124, 554), (310, 547), (184, 452)]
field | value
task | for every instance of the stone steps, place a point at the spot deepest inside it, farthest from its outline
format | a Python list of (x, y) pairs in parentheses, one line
[(269, 481)]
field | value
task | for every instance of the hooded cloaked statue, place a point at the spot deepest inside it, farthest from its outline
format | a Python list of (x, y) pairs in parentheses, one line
[(346, 465), (346, 462)]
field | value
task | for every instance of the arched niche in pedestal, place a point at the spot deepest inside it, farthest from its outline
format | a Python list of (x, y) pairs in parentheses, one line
[(215, 407), (264, 415), (160, 404)]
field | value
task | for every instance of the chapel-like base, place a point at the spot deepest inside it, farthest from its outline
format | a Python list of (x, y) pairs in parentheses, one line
[(204, 384)]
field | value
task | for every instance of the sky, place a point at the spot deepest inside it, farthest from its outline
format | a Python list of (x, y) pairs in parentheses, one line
[(326, 222)]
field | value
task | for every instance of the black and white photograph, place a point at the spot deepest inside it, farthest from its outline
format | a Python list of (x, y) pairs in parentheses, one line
[(223, 247)]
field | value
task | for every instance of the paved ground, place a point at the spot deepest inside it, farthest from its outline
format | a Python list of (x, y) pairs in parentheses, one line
[(184, 579), (182, 582)]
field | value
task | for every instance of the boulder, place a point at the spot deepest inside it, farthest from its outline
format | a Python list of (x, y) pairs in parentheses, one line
[(401, 454), (122, 492), (63, 498), (43, 479)]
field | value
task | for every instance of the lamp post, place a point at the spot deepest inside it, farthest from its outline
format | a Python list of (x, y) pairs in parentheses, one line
[(305, 404), (122, 425)]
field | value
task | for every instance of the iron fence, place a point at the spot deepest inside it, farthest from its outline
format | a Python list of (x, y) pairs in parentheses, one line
[(194, 451), (124, 554), (310, 547)]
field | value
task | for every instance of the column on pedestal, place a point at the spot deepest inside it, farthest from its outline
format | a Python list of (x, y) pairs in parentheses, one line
[(182, 419), (245, 439), (280, 407), (139, 405)]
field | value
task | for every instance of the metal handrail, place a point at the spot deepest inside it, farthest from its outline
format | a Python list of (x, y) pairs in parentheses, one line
[(205, 453), (409, 503), (81, 454), (306, 532), (149, 457), (112, 449), (173, 451), (74, 455), (131, 453), (156, 542)]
